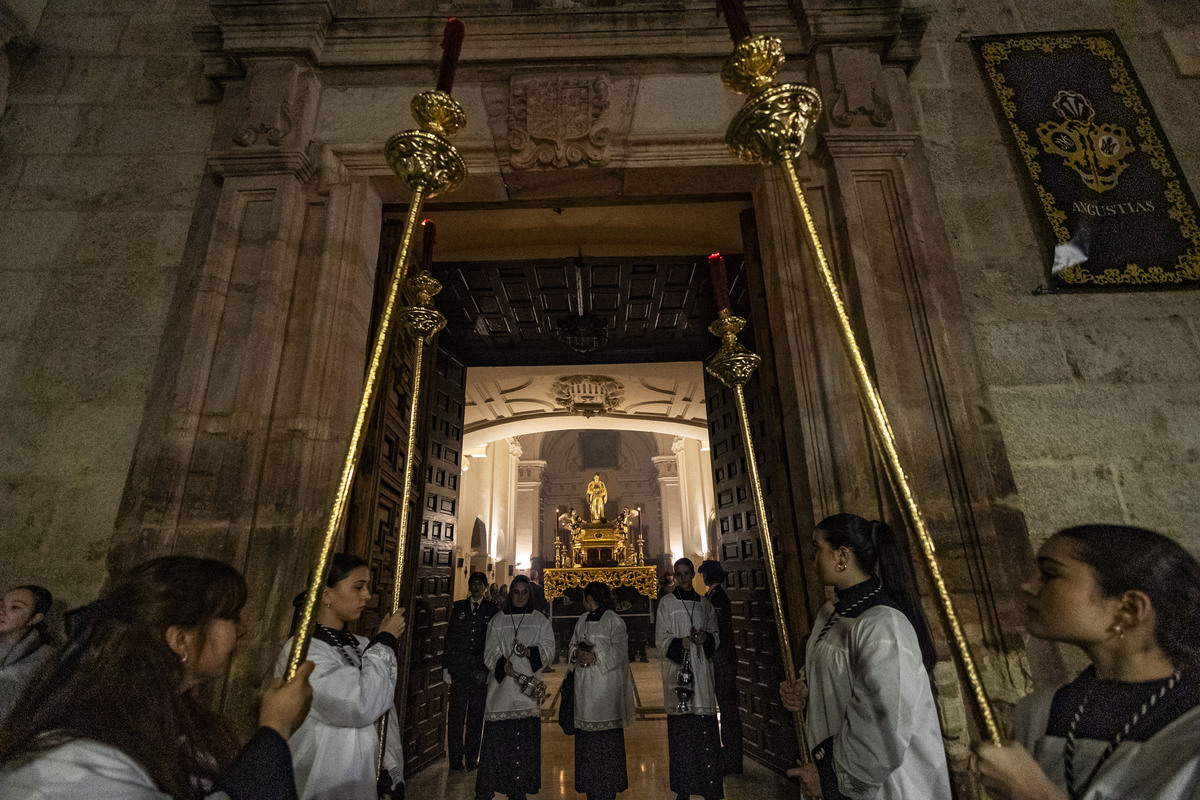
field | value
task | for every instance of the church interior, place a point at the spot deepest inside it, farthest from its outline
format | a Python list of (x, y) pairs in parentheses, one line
[(200, 224)]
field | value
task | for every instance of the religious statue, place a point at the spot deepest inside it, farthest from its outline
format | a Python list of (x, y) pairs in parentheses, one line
[(597, 494)]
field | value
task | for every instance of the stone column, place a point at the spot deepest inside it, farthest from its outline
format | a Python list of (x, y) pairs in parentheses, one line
[(261, 377), (695, 486), (528, 526), (672, 508)]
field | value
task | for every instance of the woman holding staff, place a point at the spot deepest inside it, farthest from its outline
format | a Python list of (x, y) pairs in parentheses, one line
[(519, 640), (872, 721), (604, 703), (119, 716), (1129, 726), (354, 684)]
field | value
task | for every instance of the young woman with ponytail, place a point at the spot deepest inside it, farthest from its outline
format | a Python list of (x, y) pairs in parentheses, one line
[(871, 719), (1129, 726)]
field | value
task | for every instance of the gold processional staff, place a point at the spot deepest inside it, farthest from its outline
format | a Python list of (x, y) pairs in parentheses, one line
[(429, 165), (770, 128)]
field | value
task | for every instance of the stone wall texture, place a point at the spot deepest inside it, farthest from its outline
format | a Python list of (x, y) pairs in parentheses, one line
[(1098, 395), (102, 150)]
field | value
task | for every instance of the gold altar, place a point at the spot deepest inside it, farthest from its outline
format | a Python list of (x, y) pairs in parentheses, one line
[(643, 579)]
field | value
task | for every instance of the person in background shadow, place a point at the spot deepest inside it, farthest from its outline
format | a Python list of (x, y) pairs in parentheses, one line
[(463, 669), (725, 667), (26, 644)]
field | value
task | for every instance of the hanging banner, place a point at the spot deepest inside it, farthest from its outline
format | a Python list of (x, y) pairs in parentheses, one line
[(1116, 200)]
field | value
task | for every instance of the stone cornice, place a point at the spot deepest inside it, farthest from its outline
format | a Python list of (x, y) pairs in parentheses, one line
[(686, 31)]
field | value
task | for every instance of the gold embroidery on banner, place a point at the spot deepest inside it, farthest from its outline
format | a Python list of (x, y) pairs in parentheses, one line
[(1123, 86)]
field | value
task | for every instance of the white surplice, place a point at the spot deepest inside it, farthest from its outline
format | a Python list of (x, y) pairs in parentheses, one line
[(868, 689), (676, 619), (603, 690), (336, 750), (505, 699), (1164, 767)]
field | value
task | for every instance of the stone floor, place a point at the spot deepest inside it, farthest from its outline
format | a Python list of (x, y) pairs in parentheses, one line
[(645, 747)]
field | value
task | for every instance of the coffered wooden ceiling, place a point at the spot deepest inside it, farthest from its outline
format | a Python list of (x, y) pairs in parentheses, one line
[(653, 308)]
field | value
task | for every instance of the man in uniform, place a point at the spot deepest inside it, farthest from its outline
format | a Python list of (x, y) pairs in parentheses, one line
[(463, 669)]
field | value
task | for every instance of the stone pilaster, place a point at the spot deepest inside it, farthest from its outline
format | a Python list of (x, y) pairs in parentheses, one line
[(672, 508)]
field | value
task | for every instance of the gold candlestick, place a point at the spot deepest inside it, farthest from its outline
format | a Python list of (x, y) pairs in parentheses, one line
[(422, 321), (771, 128), (429, 165), (733, 365)]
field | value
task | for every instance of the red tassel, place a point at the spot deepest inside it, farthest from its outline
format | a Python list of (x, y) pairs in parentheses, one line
[(452, 40)]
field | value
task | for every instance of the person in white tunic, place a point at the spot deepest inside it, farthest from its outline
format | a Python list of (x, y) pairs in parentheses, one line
[(1128, 728), (119, 716), (336, 750), (604, 704), (519, 641), (871, 719), (686, 635)]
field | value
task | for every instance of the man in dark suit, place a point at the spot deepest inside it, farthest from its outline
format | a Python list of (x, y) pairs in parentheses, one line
[(463, 669), (725, 667)]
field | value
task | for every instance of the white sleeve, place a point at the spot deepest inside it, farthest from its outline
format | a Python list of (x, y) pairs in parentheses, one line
[(545, 642), (880, 716), (664, 634), (612, 650), (492, 648), (343, 695), (81, 769)]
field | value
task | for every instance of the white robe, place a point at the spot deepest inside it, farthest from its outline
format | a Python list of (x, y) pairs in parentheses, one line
[(869, 690), (336, 750), (1165, 767), (675, 620), (603, 690), (82, 770), (504, 698)]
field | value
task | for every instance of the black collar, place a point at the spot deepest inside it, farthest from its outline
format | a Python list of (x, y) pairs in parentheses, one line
[(850, 596), (594, 616), (527, 609), (687, 594)]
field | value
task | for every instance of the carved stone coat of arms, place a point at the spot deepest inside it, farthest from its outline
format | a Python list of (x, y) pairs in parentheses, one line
[(559, 121)]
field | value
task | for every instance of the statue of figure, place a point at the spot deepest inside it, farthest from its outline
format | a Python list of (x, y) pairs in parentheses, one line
[(597, 494)]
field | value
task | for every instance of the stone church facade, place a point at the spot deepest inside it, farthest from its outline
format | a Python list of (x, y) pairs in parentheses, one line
[(192, 201)]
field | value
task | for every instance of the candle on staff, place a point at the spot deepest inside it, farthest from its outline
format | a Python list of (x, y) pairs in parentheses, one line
[(428, 239), (734, 12), (716, 270), (452, 39)]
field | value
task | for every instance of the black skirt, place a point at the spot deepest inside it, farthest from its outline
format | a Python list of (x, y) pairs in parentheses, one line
[(510, 759), (697, 766), (600, 763)]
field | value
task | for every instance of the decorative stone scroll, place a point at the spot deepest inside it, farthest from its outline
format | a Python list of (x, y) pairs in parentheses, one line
[(559, 121)]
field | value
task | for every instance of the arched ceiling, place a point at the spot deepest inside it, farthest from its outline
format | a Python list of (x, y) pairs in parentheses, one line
[(665, 398)]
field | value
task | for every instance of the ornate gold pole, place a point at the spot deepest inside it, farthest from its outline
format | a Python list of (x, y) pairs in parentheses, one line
[(733, 365), (428, 164), (422, 321), (771, 128)]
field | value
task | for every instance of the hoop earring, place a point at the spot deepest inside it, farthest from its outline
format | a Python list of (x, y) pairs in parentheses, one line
[(840, 567), (1116, 628)]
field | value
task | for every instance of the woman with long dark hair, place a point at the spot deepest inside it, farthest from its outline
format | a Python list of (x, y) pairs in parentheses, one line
[(119, 717), (519, 641), (336, 750), (604, 703), (1129, 725), (26, 645), (872, 721)]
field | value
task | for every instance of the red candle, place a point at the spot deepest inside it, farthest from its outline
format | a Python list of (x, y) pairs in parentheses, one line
[(735, 18), (716, 270), (428, 239), (452, 39)]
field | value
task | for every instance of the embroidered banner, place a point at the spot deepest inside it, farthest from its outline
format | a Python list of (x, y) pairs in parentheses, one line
[(1120, 210)]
